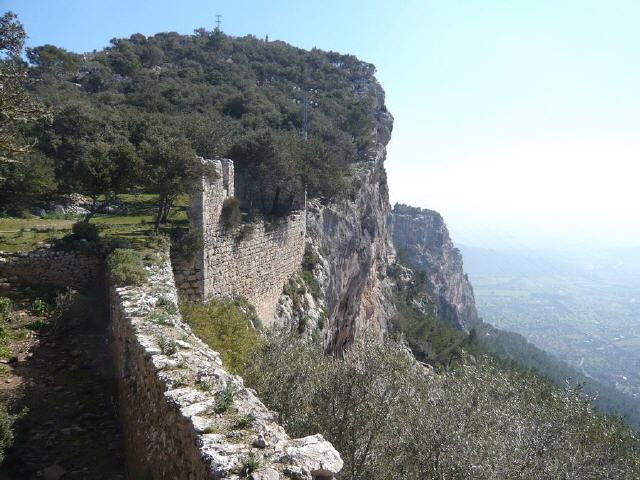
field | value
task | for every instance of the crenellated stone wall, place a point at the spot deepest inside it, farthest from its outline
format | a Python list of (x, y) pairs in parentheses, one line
[(169, 385), (254, 260), (47, 266)]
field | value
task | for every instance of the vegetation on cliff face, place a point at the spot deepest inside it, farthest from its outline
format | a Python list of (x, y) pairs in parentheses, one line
[(431, 339), (389, 417), (122, 113)]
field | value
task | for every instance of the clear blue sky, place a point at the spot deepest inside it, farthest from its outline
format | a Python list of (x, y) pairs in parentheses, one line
[(516, 119)]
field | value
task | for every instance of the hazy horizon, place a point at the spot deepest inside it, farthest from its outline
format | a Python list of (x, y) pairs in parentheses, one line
[(518, 122)]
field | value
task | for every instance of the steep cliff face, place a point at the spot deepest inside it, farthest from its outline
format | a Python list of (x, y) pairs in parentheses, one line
[(422, 240), (353, 238), (346, 288), (350, 243)]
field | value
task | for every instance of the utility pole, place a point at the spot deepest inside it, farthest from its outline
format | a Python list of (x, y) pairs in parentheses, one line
[(304, 133), (218, 21)]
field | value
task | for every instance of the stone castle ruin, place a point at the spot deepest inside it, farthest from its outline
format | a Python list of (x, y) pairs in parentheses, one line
[(170, 426), (254, 260)]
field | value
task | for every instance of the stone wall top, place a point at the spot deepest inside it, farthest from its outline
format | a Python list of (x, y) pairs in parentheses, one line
[(182, 433), (48, 266)]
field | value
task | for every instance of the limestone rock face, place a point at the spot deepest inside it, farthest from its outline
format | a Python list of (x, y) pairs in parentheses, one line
[(313, 456), (422, 237), (352, 241)]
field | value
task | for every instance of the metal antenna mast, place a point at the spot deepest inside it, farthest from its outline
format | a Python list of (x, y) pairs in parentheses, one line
[(218, 21), (305, 116)]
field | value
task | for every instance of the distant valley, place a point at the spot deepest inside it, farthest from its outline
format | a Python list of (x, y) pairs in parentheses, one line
[(583, 307)]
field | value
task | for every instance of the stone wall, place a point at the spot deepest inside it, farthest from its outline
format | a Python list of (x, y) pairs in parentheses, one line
[(254, 260), (51, 267), (169, 384)]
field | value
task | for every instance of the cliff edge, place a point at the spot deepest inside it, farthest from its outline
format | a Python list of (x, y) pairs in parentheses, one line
[(422, 240)]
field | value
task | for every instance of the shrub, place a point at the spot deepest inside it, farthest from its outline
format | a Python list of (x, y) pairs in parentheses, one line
[(39, 307), (167, 346), (187, 244), (310, 258), (5, 316), (86, 230), (159, 242), (245, 421), (203, 386), (474, 421), (249, 465), (224, 400), (313, 287), (167, 305), (5, 309), (159, 316), (126, 268), (6, 430), (36, 326), (226, 327), (231, 214), (246, 232)]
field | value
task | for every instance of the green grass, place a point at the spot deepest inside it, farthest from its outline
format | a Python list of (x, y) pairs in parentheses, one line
[(26, 234)]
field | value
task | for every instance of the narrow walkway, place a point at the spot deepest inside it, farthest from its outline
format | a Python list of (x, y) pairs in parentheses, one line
[(64, 377)]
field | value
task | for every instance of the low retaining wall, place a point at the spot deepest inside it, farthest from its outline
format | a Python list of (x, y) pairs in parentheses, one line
[(169, 385), (52, 267)]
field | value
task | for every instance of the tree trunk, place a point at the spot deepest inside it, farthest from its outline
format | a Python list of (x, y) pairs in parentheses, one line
[(161, 209), (167, 208), (274, 205)]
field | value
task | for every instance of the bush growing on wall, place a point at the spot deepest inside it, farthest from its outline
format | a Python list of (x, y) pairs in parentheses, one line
[(231, 214), (86, 230), (125, 267)]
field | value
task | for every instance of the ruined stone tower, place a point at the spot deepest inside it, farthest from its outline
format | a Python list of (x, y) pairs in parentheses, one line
[(254, 260)]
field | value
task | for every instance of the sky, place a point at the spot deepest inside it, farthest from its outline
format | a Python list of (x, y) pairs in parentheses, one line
[(518, 120)]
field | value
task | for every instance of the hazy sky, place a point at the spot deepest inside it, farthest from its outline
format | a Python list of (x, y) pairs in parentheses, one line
[(518, 120)]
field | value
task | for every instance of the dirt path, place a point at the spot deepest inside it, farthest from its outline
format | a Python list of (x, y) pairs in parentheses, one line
[(63, 375)]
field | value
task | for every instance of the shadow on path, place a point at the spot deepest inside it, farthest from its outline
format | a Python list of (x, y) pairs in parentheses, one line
[(71, 429)]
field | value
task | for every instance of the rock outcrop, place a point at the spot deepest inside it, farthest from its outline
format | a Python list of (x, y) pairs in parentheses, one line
[(351, 242), (422, 241)]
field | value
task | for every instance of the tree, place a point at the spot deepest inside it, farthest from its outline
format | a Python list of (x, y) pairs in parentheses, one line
[(271, 177), (93, 153), (105, 170), (390, 417), (171, 167), (53, 60), (17, 107), (33, 175)]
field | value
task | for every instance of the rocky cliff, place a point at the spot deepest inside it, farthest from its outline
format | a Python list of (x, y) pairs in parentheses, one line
[(422, 240), (349, 243), (345, 287)]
